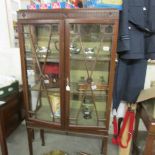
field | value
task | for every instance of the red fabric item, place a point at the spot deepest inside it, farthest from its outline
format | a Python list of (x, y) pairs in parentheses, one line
[(51, 69), (117, 139), (115, 130), (115, 125), (130, 116)]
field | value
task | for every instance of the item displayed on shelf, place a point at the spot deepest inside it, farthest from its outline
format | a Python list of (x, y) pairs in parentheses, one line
[(41, 52), (88, 84), (51, 70), (87, 107), (74, 49), (89, 53), (102, 80), (101, 85), (82, 79), (81, 83), (55, 101), (52, 80)]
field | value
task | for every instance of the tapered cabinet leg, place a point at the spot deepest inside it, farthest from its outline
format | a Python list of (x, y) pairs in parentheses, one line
[(33, 135), (42, 137), (30, 137), (104, 146)]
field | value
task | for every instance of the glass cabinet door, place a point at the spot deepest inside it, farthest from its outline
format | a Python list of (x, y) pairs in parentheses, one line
[(90, 52), (42, 56)]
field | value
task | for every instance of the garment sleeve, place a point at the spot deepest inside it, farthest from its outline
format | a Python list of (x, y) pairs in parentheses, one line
[(123, 37)]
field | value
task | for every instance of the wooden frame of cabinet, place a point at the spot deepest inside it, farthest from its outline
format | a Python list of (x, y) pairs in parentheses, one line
[(63, 18)]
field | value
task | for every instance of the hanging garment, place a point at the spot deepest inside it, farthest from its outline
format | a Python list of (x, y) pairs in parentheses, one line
[(129, 80), (137, 30), (136, 44)]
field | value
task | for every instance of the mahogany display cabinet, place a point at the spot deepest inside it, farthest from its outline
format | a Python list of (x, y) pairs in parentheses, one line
[(68, 62)]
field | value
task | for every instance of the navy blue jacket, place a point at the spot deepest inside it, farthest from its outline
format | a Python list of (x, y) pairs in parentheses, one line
[(136, 30)]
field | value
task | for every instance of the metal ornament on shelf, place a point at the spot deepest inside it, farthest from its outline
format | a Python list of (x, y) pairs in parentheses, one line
[(74, 48), (87, 107), (89, 51), (41, 51)]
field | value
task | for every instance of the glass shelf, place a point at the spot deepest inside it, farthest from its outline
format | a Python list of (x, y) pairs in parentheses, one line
[(82, 57), (52, 59), (37, 86)]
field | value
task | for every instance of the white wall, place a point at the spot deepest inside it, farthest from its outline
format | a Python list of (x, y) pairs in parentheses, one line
[(5, 41), (10, 64), (150, 75), (9, 56)]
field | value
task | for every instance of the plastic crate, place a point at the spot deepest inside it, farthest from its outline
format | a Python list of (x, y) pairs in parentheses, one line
[(8, 90)]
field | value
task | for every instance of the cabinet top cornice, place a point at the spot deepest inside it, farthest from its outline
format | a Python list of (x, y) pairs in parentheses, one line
[(68, 13)]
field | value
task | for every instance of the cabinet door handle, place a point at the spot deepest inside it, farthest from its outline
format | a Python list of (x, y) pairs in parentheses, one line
[(67, 85)]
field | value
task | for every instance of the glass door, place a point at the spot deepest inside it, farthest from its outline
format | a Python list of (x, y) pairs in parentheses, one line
[(90, 47), (43, 53)]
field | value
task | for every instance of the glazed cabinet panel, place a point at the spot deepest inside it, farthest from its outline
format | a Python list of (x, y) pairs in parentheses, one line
[(68, 63), (90, 48), (43, 69)]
